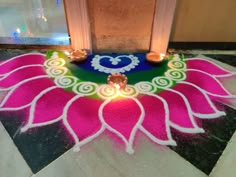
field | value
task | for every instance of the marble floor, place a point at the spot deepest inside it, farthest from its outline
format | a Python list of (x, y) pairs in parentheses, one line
[(214, 158)]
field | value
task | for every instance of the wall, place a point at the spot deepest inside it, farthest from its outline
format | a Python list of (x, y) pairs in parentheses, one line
[(118, 25), (121, 25), (205, 21)]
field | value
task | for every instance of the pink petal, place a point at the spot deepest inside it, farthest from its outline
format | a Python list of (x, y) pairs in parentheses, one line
[(199, 102), (122, 115), (82, 116), (50, 105), (179, 112), (21, 75), (207, 66), (19, 61), (26, 92), (155, 117), (206, 82)]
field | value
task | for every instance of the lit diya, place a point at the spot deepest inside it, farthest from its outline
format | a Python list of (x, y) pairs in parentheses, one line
[(155, 57), (117, 80), (77, 55)]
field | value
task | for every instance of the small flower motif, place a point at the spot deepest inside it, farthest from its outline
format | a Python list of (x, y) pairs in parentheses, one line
[(185, 94), (115, 61)]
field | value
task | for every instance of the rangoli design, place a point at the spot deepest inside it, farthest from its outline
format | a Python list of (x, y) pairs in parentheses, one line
[(175, 94)]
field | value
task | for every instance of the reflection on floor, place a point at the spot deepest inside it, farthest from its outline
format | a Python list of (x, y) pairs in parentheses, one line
[(33, 22)]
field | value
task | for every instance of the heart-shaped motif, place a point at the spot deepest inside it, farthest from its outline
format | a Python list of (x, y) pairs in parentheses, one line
[(110, 65)]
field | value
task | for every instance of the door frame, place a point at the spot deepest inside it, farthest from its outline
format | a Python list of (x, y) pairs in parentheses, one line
[(80, 33), (78, 24)]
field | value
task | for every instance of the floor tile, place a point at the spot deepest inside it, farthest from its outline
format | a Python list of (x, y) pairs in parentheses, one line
[(226, 164), (100, 158), (12, 163)]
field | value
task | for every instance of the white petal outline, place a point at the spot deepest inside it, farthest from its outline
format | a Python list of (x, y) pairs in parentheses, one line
[(17, 69), (129, 143), (196, 129), (13, 88), (20, 56), (30, 123), (78, 143), (209, 61), (170, 140), (186, 130), (23, 81), (207, 116), (89, 139), (15, 109), (103, 127), (221, 85)]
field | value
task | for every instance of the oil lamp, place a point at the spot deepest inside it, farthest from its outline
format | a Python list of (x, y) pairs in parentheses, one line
[(117, 80), (155, 57), (77, 55)]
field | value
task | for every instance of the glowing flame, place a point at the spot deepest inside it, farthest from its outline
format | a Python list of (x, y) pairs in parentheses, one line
[(67, 53), (44, 18), (18, 30), (162, 55), (117, 86)]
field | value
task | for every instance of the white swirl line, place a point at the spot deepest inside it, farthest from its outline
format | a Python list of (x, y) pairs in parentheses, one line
[(162, 82), (145, 87), (59, 62), (86, 88), (65, 81), (129, 91), (175, 75), (56, 71), (107, 92), (175, 64)]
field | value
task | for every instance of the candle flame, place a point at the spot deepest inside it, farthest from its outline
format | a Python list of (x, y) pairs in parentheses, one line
[(162, 55), (117, 86), (67, 53)]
